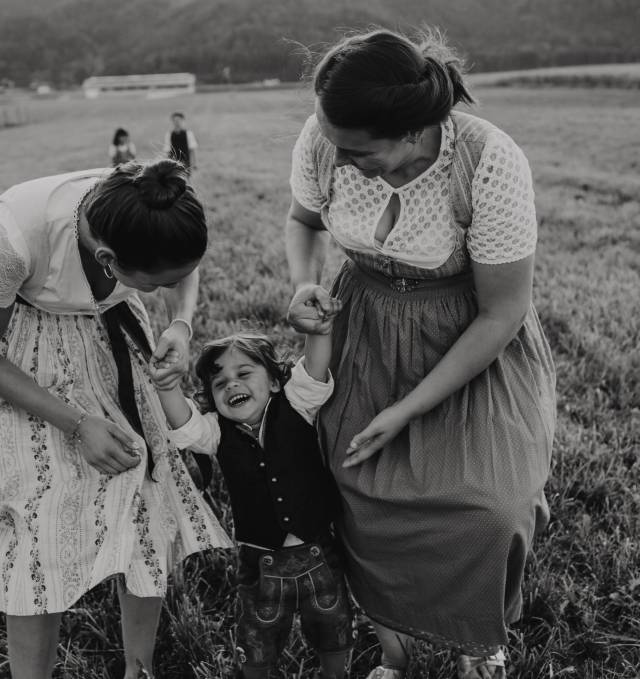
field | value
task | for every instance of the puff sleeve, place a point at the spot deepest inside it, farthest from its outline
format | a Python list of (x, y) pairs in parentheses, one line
[(304, 181), (503, 226), (14, 265)]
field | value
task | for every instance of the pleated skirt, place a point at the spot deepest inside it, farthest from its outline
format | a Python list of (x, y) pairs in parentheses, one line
[(436, 527)]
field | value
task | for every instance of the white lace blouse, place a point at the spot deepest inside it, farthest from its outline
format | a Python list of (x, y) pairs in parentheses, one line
[(503, 220)]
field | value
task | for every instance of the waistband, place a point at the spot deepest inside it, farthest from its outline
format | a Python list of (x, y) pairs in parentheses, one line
[(412, 288)]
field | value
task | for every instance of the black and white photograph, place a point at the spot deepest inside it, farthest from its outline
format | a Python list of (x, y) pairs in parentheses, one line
[(319, 339)]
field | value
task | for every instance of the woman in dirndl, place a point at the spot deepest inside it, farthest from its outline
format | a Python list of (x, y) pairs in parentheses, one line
[(440, 429), (90, 487)]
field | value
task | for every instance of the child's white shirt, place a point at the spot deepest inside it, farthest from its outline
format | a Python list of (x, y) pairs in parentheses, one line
[(201, 433)]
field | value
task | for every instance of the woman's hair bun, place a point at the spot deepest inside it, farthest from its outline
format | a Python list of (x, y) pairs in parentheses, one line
[(161, 183)]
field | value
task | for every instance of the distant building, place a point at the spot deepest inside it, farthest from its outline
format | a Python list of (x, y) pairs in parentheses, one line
[(152, 84)]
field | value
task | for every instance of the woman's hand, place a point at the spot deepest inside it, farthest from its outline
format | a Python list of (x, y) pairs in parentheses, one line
[(384, 427), (171, 357), (312, 310), (105, 446)]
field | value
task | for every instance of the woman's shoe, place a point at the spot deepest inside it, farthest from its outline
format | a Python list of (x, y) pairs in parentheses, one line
[(381, 672), (468, 665)]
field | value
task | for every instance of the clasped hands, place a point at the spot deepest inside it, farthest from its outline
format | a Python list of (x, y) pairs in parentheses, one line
[(312, 311)]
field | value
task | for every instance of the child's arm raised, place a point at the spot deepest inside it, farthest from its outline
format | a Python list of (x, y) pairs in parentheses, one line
[(189, 427), (317, 347), (317, 354), (175, 405)]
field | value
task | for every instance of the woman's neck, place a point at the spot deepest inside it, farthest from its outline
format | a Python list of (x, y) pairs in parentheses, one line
[(101, 286), (423, 155)]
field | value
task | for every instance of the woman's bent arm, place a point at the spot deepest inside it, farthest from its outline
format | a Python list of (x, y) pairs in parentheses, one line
[(504, 297), (106, 447), (306, 244)]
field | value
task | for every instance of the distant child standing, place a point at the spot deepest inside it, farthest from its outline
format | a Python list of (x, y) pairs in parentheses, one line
[(257, 419), (121, 149), (180, 143)]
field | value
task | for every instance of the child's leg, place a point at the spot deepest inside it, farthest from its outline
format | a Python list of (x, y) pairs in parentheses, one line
[(32, 641), (334, 664), (396, 647), (325, 610), (140, 617)]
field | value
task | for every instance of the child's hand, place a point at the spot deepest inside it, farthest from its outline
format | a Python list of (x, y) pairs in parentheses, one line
[(160, 370)]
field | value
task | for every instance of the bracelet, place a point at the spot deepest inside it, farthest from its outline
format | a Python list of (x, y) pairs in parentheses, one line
[(186, 322), (75, 434)]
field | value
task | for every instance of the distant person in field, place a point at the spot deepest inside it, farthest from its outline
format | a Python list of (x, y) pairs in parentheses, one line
[(256, 417), (90, 488), (121, 149), (180, 143), (440, 428)]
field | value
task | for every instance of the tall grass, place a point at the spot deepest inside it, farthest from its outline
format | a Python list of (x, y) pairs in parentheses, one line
[(582, 589)]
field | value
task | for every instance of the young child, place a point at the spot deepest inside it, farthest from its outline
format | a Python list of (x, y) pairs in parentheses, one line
[(180, 143), (121, 149), (257, 419)]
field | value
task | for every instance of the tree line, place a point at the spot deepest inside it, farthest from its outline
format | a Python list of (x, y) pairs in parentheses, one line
[(64, 42)]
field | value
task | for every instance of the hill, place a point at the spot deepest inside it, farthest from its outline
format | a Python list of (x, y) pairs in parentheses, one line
[(64, 41)]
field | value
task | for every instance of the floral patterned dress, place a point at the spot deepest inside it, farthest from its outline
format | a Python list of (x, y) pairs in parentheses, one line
[(64, 526), (437, 525)]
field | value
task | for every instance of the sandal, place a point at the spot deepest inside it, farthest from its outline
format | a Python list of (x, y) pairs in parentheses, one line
[(468, 664), (381, 672)]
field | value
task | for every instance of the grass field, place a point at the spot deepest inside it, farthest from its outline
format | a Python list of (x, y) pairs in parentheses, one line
[(582, 591)]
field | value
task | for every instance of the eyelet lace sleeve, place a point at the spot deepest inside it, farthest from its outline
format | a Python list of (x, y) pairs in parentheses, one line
[(305, 185), (13, 270), (503, 227)]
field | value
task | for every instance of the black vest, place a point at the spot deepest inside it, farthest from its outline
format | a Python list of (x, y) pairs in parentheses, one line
[(281, 488), (180, 147)]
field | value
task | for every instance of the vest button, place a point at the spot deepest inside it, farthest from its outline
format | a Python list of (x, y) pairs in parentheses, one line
[(279, 499), (315, 551), (267, 560), (285, 518), (273, 479), (261, 464)]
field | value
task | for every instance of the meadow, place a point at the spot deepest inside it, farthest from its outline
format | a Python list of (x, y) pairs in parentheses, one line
[(582, 590)]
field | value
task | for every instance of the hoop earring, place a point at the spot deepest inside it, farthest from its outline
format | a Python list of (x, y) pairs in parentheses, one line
[(108, 271)]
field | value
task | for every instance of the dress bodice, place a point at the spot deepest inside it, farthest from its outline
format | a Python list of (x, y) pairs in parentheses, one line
[(474, 202), (39, 252)]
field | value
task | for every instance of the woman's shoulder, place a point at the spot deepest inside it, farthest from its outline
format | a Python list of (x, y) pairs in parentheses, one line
[(36, 202), (312, 138), (472, 130), (477, 138)]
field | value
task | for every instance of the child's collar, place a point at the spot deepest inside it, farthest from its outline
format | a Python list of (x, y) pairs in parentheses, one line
[(258, 427)]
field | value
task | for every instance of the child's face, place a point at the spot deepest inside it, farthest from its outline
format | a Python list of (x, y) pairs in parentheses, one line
[(178, 122), (242, 387)]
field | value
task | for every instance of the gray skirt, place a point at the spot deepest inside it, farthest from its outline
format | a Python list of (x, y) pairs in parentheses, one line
[(437, 525)]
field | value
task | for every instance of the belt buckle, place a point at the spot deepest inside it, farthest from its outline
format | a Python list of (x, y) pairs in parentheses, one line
[(402, 284)]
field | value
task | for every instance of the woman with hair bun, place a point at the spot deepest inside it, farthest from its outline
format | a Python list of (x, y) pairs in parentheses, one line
[(89, 486), (440, 428)]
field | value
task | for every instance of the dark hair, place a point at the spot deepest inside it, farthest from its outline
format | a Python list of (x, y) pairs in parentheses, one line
[(149, 216), (259, 348), (118, 134), (388, 84), (177, 114)]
